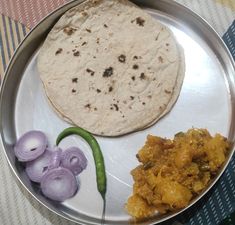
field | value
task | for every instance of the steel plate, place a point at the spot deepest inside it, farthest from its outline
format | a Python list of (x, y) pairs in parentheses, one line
[(206, 101)]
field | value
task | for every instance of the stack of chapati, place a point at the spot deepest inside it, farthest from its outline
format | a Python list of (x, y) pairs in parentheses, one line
[(111, 68)]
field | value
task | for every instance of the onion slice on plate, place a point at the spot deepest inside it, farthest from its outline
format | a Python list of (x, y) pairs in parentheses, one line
[(30, 146), (74, 159), (37, 168), (59, 184), (55, 157)]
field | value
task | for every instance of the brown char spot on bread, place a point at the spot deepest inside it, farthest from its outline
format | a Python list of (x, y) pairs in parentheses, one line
[(73, 90), (84, 13), (88, 30), (69, 30), (157, 37), (122, 58), (140, 21), (105, 25), (135, 67), (108, 72), (116, 107), (76, 53), (160, 59), (167, 92), (142, 76), (59, 50), (84, 43), (75, 80), (95, 2), (88, 106), (91, 72)]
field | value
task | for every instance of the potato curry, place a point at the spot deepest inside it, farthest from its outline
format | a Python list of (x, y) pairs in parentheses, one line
[(173, 172)]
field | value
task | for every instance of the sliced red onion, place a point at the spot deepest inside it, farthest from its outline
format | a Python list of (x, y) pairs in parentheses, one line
[(30, 146), (55, 157), (74, 159), (37, 168), (59, 184)]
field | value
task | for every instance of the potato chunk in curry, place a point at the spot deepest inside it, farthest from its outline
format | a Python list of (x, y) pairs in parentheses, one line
[(172, 172)]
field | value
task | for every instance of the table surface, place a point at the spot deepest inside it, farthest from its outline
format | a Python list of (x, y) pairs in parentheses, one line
[(17, 17)]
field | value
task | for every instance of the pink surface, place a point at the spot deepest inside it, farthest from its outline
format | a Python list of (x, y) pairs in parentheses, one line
[(28, 12)]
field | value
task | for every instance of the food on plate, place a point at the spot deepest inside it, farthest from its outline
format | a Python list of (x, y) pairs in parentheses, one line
[(54, 169), (36, 168), (173, 172), (74, 159), (97, 155), (96, 151), (111, 68), (59, 184), (30, 146)]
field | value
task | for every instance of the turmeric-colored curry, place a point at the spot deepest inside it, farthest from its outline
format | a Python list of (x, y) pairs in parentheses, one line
[(173, 172)]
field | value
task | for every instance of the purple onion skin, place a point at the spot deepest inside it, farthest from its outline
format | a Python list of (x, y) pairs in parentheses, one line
[(37, 168), (53, 169), (30, 146), (55, 157), (59, 184), (74, 159)]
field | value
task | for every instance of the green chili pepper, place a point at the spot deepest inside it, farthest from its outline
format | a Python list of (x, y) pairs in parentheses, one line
[(98, 158), (96, 151)]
